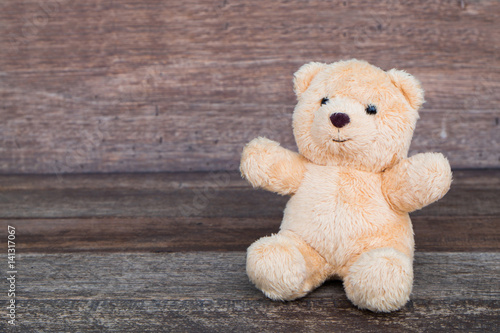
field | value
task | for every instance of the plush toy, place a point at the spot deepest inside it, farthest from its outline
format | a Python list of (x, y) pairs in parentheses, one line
[(351, 186)]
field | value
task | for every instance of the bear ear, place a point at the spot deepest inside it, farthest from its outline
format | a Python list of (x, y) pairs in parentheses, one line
[(303, 77), (410, 87)]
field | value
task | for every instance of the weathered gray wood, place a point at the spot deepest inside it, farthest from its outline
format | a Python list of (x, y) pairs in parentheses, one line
[(210, 292), (69, 315), (480, 179), (203, 195), (192, 276), (150, 85), (137, 203), (188, 202), (176, 234), (235, 203), (165, 181), (470, 178), (221, 275)]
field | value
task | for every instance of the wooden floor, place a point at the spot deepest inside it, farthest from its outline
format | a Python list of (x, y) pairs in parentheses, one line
[(166, 252)]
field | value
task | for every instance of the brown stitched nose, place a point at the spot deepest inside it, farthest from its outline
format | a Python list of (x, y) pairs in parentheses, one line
[(339, 120)]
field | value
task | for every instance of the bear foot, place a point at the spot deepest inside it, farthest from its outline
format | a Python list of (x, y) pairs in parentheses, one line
[(284, 268), (380, 280)]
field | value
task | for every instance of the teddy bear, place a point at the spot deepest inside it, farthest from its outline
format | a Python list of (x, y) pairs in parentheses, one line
[(351, 187)]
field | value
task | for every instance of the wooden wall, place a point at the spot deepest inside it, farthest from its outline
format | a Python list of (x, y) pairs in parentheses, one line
[(156, 85)]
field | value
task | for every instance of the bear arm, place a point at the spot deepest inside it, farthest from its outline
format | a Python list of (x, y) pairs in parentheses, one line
[(417, 181), (265, 164)]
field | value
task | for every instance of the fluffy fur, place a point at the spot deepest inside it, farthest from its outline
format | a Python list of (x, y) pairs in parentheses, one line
[(351, 187)]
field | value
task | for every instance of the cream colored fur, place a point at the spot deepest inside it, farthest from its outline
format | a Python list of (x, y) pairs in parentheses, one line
[(348, 212)]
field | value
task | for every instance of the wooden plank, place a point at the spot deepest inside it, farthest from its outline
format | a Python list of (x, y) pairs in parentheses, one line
[(221, 275), (191, 202), (210, 291), (457, 233), (446, 234), (199, 195), (136, 203), (157, 86), (476, 178), (249, 316), (166, 181), (470, 178)]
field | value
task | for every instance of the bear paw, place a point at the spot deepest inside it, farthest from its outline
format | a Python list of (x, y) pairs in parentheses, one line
[(257, 159)]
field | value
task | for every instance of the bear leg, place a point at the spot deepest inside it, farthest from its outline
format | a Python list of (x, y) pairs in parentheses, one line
[(380, 280), (284, 267)]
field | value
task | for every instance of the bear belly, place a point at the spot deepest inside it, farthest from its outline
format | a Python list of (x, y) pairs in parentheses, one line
[(342, 213)]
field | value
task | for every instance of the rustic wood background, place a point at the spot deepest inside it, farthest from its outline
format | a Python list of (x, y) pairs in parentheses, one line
[(154, 85), (132, 87)]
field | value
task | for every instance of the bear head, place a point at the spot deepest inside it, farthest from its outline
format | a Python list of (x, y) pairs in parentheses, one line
[(351, 113)]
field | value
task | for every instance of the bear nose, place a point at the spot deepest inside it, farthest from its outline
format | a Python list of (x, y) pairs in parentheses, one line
[(339, 120)]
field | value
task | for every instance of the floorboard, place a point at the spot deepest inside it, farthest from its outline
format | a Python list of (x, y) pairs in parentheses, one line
[(215, 275), (210, 292)]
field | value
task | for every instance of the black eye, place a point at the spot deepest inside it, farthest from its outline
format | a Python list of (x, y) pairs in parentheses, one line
[(324, 100), (371, 109)]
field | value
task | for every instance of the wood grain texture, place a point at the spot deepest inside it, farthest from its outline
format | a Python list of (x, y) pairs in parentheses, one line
[(250, 316), (130, 86), (114, 253), (222, 275), (470, 178), (217, 194), (230, 218), (178, 234), (211, 292)]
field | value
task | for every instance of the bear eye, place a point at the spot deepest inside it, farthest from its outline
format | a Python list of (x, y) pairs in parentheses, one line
[(324, 100), (371, 109)]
